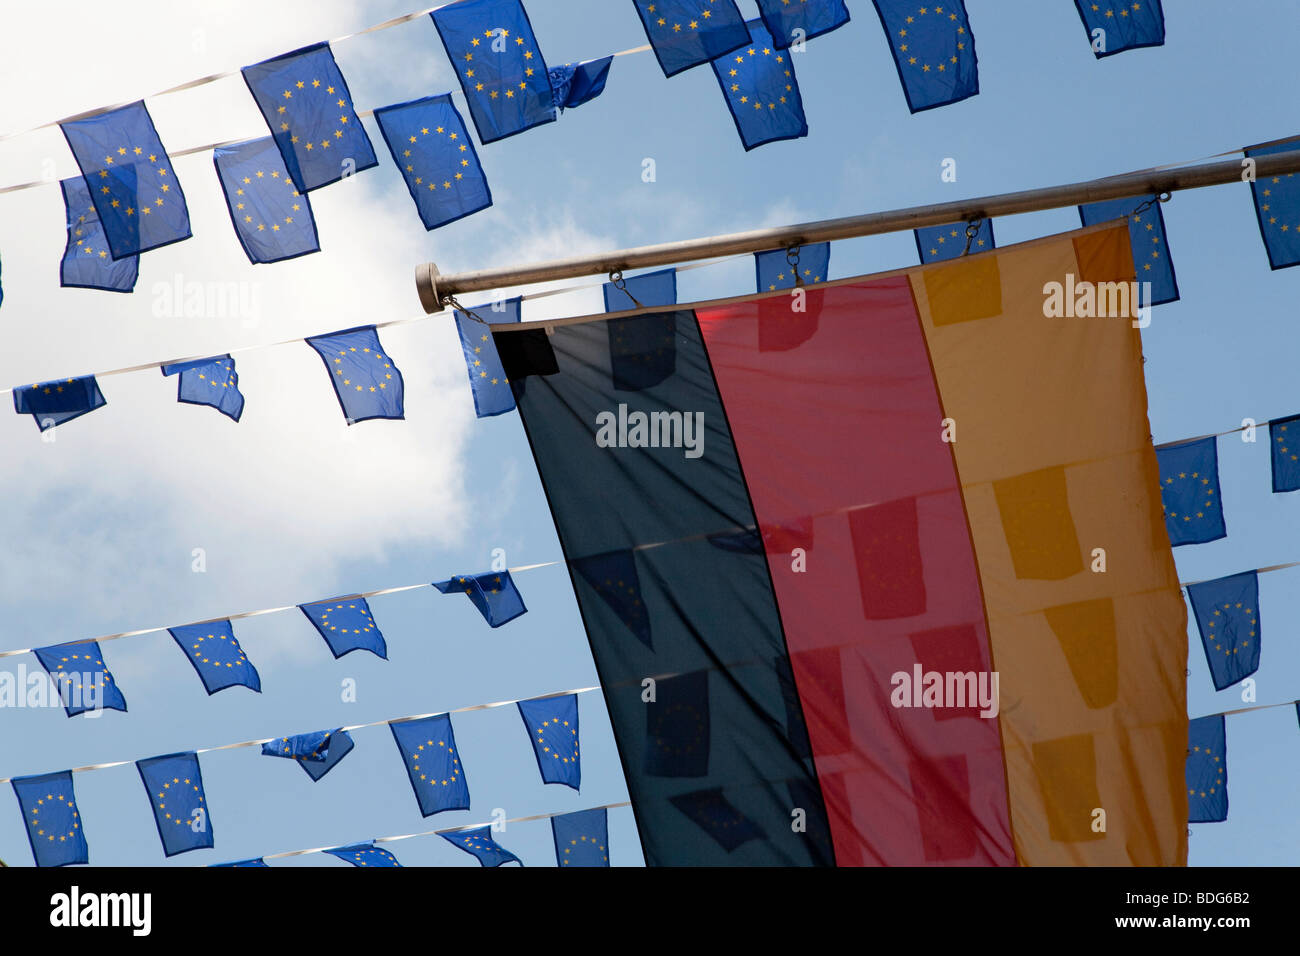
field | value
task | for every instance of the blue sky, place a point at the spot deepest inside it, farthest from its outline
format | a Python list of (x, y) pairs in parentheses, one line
[(292, 506)]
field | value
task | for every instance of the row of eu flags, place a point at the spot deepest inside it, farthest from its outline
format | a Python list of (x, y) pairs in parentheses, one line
[(346, 624), (182, 816)]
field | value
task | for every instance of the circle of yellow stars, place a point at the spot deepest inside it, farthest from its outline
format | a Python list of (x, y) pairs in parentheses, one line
[(960, 236), (163, 186), (505, 85), (75, 676), (433, 183), (283, 112), (1218, 769), (940, 66), (482, 373), (80, 231), (212, 381), (541, 739), (664, 715), (241, 202), (36, 824), (676, 27), (199, 651), (1219, 637), (451, 753), (1122, 13), (1209, 492), (1155, 240), (585, 839), (325, 619), (166, 793), (744, 97), (376, 386), (1282, 440), (1267, 206)]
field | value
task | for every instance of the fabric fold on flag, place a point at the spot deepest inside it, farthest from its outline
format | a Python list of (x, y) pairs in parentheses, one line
[(684, 36), (216, 656), (428, 749), (487, 378), (210, 381), (577, 83), (479, 844), (492, 592), (552, 725), (429, 144), (491, 45), (581, 838), (310, 113), (174, 784), (83, 680), (934, 51), (51, 819), (365, 854), (791, 23), (54, 403), (759, 85), (136, 194), (87, 261), (315, 752), (272, 219), (948, 241), (1129, 25), (367, 383), (1227, 616), (347, 625)]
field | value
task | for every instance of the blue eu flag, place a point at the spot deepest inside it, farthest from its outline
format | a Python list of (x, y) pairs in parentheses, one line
[(487, 376), (1277, 207), (307, 106), (216, 656), (51, 819), (716, 816), (53, 403), (364, 854), (316, 752), (436, 156), (366, 381), (500, 67), (1227, 615), (761, 90), (84, 681), (581, 838), (684, 36), (553, 726), (645, 291), (938, 243), (180, 810), (210, 381), (933, 49), (1113, 28), (87, 262), (576, 83), (256, 861), (347, 625), (775, 269), (479, 843), (1146, 233), (493, 593), (140, 202), (811, 18), (271, 217), (1189, 491), (677, 727), (1207, 770), (428, 749), (613, 576), (1284, 439)]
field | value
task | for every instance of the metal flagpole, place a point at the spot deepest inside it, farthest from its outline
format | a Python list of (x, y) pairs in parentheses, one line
[(435, 289)]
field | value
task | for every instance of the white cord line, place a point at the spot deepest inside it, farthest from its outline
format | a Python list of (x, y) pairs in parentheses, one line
[(375, 723), (258, 613)]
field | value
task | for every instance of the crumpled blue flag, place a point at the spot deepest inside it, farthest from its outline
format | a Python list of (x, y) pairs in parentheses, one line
[(479, 843), (1207, 770), (1189, 491), (948, 241), (429, 143), (428, 749), (684, 36), (272, 218), (180, 810), (933, 49), (811, 17), (366, 381), (364, 854), (216, 656), (54, 403), (1146, 232), (51, 818), (761, 89), (1113, 28), (315, 752), (581, 838), (307, 107), (87, 262), (256, 861), (347, 625), (718, 817), (774, 270), (613, 576), (210, 381), (500, 67), (578, 83), (493, 593), (645, 291), (677, 731), (553, 728), (1284, 440), (84, 681), (1227, 615), (487, 377), (140, 202), (1277, 207)]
